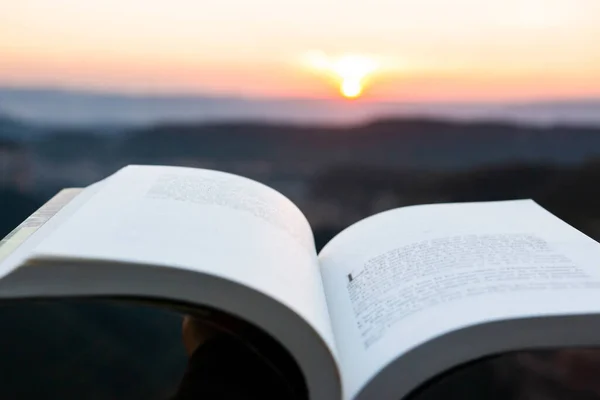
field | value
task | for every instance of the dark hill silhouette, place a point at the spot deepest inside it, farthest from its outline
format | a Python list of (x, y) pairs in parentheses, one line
[(11, 128), (72, 145), (405, 143), (398, 143), (568, 192)]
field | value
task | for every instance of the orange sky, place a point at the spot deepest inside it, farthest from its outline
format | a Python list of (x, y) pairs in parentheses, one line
[(427, 49)]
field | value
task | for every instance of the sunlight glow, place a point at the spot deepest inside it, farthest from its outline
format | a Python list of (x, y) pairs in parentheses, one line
[(350, 71), (351, 88)]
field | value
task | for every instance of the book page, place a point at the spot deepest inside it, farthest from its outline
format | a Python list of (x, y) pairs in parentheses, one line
[(400, 278), (206, 221)]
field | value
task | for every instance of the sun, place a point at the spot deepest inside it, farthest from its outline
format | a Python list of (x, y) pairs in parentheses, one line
[(351, 88), (349, 71)]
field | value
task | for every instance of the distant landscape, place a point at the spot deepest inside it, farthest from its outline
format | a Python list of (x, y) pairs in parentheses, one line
[(113, 110), (336, 173)]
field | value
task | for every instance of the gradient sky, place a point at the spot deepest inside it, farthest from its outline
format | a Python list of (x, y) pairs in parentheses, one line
[(427, 49)]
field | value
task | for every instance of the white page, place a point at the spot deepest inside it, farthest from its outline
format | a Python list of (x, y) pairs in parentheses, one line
[(400, 278), (201, 220)]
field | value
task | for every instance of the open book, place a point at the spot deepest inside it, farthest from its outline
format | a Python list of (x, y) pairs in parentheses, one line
[(391, 302)]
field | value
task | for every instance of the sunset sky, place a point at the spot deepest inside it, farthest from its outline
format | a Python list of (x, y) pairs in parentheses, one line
[(424, 50)]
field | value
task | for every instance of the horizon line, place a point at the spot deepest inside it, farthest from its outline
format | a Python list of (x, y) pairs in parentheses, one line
[(151, 94)]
